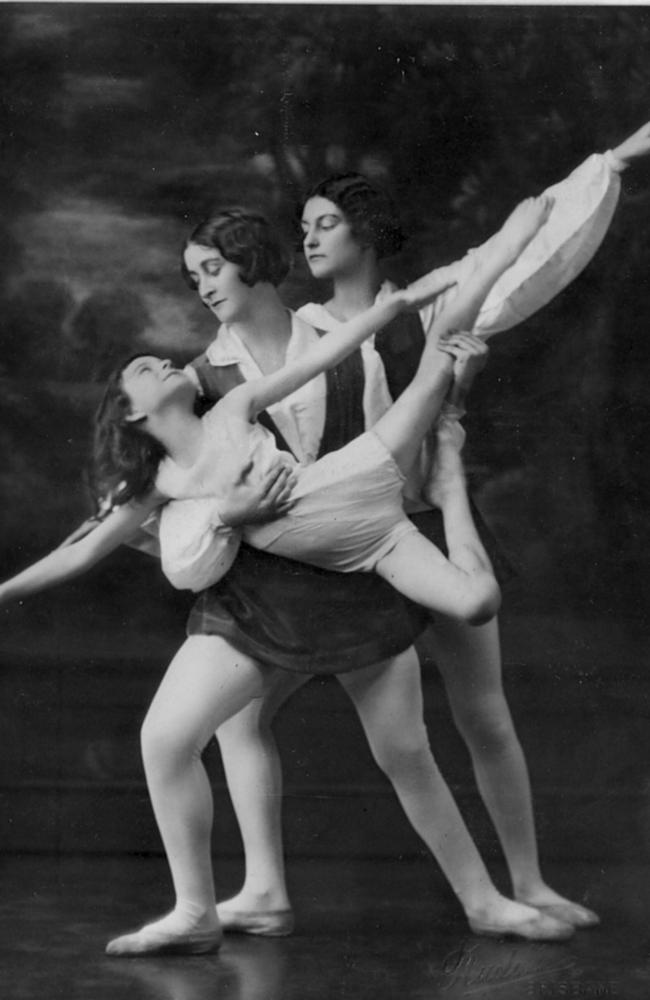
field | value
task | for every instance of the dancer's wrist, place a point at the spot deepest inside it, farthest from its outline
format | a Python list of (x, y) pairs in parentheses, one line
[(615, 162), (453, 410)]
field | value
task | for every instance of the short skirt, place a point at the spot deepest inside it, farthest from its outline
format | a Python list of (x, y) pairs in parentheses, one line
[(308, 620), (347, 511)]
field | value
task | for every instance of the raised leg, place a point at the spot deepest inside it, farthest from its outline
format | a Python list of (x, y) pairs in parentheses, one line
[(198, 693), (469, 660), (462, 586), (388, 699)]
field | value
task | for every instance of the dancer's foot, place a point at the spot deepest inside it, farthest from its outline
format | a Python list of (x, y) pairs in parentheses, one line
[(263, 915), (508, 918), (447, 473), (546, 900), (175, 934)]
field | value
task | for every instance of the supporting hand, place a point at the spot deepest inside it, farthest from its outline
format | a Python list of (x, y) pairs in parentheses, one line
[(256, 501), (470, 356)]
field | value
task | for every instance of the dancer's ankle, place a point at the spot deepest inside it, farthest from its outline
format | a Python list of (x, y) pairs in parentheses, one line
[(193, 914), (246, 899)]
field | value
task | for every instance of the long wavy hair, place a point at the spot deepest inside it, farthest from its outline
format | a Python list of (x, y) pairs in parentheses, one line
[(125, 457)]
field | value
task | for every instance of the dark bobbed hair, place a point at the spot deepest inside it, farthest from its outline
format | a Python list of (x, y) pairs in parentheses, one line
[(245, 238), (125, 457), (368, 209)]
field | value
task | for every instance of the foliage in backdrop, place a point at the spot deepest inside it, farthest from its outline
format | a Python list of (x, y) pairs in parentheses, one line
[(123, 124)]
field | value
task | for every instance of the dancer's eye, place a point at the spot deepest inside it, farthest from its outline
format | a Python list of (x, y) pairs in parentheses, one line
[(329, 221), (212, 268)]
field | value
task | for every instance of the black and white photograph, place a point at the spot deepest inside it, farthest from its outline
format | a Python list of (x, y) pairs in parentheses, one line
[(355, 704)]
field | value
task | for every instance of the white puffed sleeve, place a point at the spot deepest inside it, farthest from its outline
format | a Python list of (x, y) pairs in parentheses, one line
[(584, 204), (196, 548)]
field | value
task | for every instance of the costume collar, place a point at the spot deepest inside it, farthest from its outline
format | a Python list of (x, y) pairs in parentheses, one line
[(228, 349)]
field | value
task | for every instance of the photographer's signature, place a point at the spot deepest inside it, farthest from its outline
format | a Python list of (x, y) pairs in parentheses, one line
[(465, 967)]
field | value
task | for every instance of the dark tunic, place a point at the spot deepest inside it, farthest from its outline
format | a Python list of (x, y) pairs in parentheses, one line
[(298, 617)]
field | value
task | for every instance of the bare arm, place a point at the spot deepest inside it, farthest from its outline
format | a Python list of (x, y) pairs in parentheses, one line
[(258, 394), (521, 226), (249, 399), (75, 559), (585, 203), (635, 146)]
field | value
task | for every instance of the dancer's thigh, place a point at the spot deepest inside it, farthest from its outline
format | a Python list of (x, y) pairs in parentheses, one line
[(205, 684), (256, 717), (388, 699)]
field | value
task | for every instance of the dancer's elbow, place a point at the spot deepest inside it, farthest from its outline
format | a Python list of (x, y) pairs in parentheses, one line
[(483, 603)]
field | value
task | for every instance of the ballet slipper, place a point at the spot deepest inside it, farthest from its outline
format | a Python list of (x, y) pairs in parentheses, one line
[(148, 941), (266, 923), (538, 928), (568, 912)]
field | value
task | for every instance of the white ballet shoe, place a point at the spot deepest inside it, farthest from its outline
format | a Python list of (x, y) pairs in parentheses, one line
[(149, 941), (266, 923), (570, 913), (538, 928)]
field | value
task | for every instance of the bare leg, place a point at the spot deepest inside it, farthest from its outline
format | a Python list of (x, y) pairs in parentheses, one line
[(197, 694), (388, 698), (462, 586), (469, 660), (254, 774)]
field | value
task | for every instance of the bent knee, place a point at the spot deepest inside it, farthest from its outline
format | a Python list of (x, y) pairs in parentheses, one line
[(487, 730), (403, 756), (164, 746)]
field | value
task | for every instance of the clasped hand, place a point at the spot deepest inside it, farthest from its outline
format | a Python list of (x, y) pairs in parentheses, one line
[(469, 354)]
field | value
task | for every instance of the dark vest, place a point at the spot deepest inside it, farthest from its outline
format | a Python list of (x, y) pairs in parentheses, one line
[(399, 345)]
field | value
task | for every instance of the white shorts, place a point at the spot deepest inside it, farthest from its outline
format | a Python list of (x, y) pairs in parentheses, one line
[(347, 512)]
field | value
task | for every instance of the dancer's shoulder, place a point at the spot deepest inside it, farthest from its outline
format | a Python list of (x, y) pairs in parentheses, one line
[(316, 315)]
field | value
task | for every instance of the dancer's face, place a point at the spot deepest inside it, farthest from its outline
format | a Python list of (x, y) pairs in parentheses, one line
[(328, 243), (218, 283), (150, 382)]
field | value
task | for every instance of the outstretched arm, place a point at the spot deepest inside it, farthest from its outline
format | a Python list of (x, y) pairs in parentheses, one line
[(522, 225), (585, 202), (252, 397), (634, 147), (72, 560), (521, 228)]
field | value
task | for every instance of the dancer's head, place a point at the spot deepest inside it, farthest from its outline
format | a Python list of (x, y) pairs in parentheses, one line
[(228, 254), (344, 217), (126, 455)]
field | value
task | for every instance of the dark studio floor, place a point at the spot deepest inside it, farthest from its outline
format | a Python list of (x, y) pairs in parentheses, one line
[(365, 930), (80, 862)]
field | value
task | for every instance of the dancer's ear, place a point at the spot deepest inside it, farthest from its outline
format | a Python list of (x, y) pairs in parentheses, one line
[(134, 418)]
